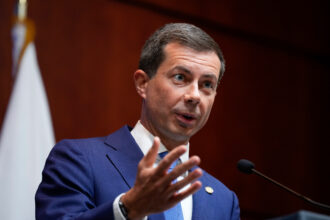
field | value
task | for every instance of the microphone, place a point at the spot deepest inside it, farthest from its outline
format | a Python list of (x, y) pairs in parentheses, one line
[(247, 167)]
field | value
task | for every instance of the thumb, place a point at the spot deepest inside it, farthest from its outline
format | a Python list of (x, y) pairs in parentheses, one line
[(151, 156)]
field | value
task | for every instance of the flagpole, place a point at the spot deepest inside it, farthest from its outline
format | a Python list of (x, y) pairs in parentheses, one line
[(27, 134), (22, 10), (21, 24)]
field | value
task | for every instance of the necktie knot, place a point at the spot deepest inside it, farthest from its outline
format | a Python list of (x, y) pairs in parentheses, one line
[(163, 154)]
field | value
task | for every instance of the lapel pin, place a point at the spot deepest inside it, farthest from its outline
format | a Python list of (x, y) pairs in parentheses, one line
[(209, 189)]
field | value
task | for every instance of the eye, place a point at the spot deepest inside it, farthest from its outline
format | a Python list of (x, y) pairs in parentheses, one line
[(179, 77), (208, 85)]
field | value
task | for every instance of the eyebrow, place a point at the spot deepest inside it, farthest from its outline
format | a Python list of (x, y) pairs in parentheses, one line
[(184, 69)]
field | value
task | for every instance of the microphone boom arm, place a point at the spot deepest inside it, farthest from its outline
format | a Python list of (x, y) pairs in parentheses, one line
[(306, 199)]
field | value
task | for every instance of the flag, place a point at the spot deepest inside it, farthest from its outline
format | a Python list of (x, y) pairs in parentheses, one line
[(26, 136)]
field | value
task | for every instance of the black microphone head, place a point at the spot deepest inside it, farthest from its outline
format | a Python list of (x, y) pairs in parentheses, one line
[(245, 166)]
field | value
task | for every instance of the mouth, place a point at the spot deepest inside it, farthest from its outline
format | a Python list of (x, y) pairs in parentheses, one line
[(186, 119)]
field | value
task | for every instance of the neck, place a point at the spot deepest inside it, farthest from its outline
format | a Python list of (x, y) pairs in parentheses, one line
[(169, 143)]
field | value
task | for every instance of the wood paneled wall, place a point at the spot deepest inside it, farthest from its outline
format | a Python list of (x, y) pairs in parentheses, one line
[(272, 106)]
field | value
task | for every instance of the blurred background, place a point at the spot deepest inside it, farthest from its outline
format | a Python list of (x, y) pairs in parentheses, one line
[(272, 105)]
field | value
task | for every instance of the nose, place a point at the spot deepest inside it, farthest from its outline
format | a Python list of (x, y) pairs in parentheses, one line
[(192, 95)]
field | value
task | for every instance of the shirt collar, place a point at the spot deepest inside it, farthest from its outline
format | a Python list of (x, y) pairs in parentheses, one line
[(145, 139)]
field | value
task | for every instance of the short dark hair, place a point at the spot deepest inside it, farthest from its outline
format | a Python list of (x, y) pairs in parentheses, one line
[(188, 35)]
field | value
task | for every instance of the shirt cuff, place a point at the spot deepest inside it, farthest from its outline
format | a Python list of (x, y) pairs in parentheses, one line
[(116, 209)]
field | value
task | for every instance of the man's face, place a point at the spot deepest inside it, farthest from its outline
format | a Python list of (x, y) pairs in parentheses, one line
[(179, 98)]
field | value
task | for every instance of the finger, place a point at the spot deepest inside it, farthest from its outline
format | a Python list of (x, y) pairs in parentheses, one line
[(194, 187), (181, 169), (172, 156), (192, 176), (150, 158)]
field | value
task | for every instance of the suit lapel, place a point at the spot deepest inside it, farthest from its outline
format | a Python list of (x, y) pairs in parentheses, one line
[(200, 200), (124, 154)]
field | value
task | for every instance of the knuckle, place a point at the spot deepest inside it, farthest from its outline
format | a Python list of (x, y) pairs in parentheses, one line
[(166, 160), (158, 189), (140, 165)]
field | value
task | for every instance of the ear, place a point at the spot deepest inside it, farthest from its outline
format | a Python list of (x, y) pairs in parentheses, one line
[(141, 80)]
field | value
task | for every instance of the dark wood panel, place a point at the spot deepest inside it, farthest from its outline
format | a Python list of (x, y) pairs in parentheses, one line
[(6, 80), (297, 26)]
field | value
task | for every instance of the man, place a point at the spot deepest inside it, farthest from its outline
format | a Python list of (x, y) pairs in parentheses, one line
[(127, 175)]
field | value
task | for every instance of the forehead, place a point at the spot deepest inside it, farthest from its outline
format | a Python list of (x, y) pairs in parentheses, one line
[(201, 61)]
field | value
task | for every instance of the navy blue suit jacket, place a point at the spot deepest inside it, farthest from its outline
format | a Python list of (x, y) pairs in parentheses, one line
[(82, 178)]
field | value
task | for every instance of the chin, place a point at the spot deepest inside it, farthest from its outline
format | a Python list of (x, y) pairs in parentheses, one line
[(179, 133), (183, 136)]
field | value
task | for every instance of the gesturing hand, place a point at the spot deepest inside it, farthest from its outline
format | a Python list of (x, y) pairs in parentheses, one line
[(153, 190)]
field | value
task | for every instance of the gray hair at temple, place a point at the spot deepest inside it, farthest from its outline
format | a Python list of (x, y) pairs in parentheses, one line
[(185, 34)]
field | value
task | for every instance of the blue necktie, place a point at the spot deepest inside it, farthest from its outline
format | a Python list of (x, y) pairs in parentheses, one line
[(174, 213)]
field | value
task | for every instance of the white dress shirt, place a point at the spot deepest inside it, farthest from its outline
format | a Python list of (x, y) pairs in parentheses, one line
[(145, 139)]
